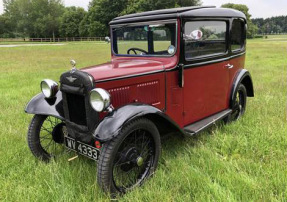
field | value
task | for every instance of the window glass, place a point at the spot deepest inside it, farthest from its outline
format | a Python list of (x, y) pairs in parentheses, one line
[(130, 37), (162, 39), (237, 35), (204, 38), (147, 39)]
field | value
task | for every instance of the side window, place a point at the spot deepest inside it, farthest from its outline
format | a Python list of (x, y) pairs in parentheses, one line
[(204, 38), (237, 35)]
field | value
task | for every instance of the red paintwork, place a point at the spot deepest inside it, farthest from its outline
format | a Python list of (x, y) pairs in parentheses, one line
[(127, 66), (206, 91)]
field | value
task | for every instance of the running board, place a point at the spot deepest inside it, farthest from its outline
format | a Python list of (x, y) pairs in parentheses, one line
[(205, 123)]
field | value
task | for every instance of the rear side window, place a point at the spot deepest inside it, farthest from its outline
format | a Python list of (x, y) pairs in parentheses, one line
[(204, 38), (237, 35)]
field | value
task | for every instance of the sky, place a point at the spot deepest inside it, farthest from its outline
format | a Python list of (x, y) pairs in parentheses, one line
[(257, 8)]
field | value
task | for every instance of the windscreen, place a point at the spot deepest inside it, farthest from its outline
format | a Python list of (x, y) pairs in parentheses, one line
[(143, 40)]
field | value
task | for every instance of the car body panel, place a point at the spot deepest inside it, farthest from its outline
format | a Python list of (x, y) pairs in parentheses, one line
[(113, 122), (52, 107), (206, 89), (120, 68), (149, 89)]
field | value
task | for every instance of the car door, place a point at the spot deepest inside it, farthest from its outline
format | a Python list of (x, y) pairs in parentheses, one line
[(206, 69)]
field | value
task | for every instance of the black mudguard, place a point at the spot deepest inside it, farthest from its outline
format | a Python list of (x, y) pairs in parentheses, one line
[(41, 105), (244, 77), (112, 124)]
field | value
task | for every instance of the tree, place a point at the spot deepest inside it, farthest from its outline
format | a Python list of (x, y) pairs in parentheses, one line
[(271, 25), (34, 18), (252, 29), (45, 17), (70, 21), (16, 13), (135, 6), (6, 29), (101, 12)]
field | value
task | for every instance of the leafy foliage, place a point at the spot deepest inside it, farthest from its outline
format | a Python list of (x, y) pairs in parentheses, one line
[(34, 18), (252, 29), (71, 20), (47, 18), (134, 6), (271, 25)]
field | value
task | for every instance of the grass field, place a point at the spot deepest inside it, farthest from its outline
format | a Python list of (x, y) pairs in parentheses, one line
[(243, 161)]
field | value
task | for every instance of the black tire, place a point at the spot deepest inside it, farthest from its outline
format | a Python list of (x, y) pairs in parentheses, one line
[(239, 105), (46, 137), (121, 156)]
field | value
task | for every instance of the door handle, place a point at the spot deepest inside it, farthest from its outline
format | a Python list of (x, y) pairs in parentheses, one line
[(229, 66)]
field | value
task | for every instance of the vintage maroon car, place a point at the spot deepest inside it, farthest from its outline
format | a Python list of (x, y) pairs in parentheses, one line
[(175, 70)]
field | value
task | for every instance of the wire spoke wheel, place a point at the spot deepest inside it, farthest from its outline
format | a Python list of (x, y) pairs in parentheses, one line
[(46, 137), (50, 136), (131, 157), (133, 160)]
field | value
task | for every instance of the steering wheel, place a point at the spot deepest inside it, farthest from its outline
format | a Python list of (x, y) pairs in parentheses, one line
[(135, 51)]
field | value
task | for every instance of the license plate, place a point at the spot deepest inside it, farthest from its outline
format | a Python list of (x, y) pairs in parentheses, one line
[(82, 148)]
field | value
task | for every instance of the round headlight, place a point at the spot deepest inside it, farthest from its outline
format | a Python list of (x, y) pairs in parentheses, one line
[(49, 88), (100, 99)]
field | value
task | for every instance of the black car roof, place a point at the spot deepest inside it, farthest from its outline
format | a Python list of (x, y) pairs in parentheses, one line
[(193, 11)]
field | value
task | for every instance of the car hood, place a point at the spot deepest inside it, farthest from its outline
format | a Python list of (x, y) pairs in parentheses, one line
[(126, 67)]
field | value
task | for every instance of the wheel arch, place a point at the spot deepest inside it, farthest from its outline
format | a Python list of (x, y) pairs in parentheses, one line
[(247, 82), (243, 77), (112, 124), (43, 106)]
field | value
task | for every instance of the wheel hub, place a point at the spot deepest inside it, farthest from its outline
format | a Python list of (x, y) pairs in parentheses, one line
[(58, 133), (131, 158), (140, 161)]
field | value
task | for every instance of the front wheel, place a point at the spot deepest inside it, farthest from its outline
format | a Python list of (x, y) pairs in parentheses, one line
[(46, 137), (130, 158)]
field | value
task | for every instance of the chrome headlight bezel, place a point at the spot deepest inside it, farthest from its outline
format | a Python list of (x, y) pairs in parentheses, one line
[(49, 88), (99, 99)]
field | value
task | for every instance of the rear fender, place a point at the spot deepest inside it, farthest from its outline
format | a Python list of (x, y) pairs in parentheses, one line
[(243, 77), (112, 124), (51, 107)]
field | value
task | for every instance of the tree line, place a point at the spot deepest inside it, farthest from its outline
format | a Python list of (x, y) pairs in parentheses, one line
[(273, 25), (50, 18)]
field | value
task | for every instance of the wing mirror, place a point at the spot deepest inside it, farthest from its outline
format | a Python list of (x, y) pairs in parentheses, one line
[(107, 39)]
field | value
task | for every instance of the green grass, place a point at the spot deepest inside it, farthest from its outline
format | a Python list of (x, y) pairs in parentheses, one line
[(243, 161)]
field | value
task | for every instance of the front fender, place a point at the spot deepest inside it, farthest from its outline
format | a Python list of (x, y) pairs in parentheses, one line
[(41, 105), (112, 124)]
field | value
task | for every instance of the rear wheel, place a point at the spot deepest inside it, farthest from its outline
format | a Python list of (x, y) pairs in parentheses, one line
[(239, 105), (129, 159), (46, 137)]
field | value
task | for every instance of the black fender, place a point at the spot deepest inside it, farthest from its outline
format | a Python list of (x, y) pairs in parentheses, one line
[(41, 105), (112, 124), (243, 76)]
